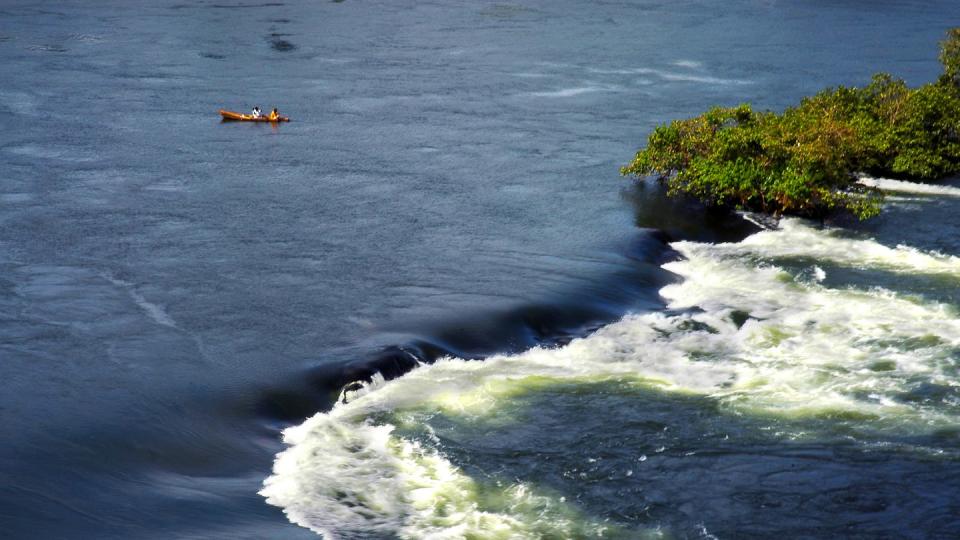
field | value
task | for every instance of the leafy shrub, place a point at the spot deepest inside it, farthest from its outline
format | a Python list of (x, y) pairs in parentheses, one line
[(803, 161)]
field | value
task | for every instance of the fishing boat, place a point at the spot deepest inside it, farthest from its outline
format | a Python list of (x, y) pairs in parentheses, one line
[(238, 117)]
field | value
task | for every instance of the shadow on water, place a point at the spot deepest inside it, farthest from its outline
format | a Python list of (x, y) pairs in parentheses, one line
[(683, 218), (282, 45)]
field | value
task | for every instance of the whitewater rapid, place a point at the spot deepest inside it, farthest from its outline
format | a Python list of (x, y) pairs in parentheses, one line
[(752, 325)]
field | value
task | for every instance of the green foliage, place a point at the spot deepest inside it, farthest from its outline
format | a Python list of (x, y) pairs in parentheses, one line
[(803, 160), (950, 56)]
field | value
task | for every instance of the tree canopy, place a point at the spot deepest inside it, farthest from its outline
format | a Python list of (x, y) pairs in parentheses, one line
[(804, 161)]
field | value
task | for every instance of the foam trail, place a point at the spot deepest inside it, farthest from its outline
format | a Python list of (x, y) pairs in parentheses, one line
[(899, 186), (155, 312), (743, 331), (797, 238), (570, 92), (672, 76)]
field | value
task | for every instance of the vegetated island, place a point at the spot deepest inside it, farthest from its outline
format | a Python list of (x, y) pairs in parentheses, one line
[(805, 161)]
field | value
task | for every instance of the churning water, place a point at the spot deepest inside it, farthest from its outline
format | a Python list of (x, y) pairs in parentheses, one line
[(755, 336)]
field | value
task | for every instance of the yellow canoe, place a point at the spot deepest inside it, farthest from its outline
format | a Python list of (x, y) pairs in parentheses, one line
[(237, 117)]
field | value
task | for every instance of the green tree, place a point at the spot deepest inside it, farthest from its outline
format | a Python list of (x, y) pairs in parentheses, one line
[(950, 56), (803, 161)]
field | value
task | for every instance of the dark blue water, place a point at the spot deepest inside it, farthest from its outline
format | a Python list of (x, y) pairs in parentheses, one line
[(175, 290)]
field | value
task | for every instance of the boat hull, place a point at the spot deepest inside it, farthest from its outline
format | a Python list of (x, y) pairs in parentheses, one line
[(230, 116)]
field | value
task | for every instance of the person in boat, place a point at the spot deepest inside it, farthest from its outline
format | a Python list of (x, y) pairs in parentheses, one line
[(274, 114), (256, 112)]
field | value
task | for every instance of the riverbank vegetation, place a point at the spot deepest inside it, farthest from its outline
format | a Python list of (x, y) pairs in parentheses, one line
[(804, 161)]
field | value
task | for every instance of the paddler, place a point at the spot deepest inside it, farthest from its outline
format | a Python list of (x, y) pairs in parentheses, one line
[(274, 115), (256, 112)]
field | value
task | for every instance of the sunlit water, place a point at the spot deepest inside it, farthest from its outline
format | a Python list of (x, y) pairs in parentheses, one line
[(176, 291)]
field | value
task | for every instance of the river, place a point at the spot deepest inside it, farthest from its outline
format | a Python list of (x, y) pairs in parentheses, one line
[(187, 306)]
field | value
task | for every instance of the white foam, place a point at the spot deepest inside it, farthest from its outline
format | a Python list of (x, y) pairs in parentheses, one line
[(797, 238), (574, 91), (86, 38), (19, 102), (53, 152), (899, 186), (745, 332), (153, 311), (760, 220), (672, 76), (686, 77), (344, 478)]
